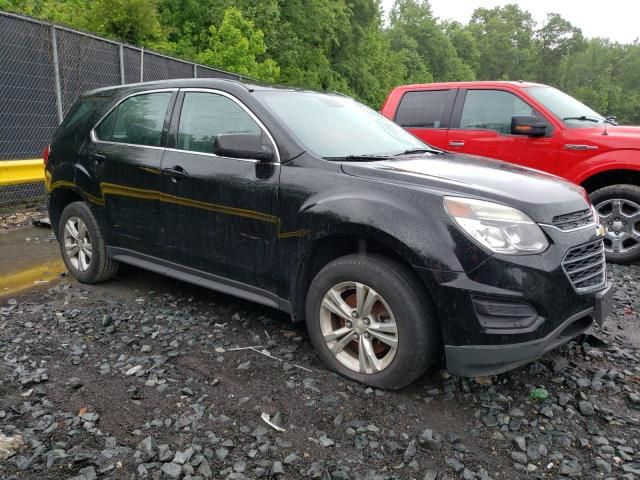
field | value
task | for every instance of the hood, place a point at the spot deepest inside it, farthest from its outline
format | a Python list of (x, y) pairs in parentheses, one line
[(539, 195), (617, 137), (624, 131)]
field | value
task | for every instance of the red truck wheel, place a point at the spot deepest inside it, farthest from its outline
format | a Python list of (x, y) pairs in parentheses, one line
[(619, 210)]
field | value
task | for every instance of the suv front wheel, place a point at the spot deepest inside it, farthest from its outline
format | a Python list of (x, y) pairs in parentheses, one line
[(82, 246), (619, 209), (369, 320)]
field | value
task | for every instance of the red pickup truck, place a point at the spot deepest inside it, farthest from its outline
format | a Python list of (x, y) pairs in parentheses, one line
[(539, 127)]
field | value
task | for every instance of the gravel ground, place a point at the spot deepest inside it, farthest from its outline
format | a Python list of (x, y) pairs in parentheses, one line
[(144, 377)]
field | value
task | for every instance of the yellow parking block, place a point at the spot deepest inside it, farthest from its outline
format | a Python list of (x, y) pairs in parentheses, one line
[(17, 172)]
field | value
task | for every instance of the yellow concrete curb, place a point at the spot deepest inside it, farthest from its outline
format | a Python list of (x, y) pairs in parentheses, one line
[(13, 282), (17, 172)]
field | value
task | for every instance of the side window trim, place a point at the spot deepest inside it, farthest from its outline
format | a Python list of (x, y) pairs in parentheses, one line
[(175, 122), (172, 137), (456, 113), (168, 113), (459, 106), (446, 121)]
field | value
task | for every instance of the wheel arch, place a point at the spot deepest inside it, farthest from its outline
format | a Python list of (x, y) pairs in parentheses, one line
[(59, 198), (324, 249), (606, 178)]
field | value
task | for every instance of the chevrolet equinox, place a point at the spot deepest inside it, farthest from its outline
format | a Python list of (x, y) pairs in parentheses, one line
[(391, 250)]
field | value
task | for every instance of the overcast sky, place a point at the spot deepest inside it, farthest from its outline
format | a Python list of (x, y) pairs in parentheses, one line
[(614, 19)]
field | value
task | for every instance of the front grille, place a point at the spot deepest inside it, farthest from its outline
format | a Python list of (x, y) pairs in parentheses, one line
[(585, 266), (570, 221)]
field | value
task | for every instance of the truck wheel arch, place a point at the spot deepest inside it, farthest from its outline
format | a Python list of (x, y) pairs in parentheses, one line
[(614, 176)]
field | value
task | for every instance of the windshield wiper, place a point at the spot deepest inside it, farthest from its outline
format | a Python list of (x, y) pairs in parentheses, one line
[(585, 118), (419, 150), (358, 158)]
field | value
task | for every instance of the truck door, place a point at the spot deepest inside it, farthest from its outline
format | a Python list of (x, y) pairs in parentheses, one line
[(481, 125), (426, 114)]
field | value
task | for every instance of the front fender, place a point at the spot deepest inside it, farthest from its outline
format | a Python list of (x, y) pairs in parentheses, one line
[(411, 222), (614, 160)]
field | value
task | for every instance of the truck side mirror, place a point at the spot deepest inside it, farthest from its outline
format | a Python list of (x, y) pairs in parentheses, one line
[(528, 125)]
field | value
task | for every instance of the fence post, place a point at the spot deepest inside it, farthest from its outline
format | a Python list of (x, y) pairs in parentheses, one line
[(195, 71), (56, 73), (142, 64), (121, 55)]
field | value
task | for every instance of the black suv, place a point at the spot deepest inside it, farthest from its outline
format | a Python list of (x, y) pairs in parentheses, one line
[(316, 205)]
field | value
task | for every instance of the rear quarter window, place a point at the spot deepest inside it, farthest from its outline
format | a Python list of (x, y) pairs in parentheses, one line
[(80, 119), (425, 109)]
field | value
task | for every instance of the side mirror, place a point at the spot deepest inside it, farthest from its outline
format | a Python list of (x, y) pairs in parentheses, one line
[(242, 145), (528, 125)]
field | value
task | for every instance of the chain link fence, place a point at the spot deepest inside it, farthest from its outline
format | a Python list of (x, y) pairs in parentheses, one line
[(43, 70)]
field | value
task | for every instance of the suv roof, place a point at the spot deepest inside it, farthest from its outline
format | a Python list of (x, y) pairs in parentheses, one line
[(490, 83), (186, 83)]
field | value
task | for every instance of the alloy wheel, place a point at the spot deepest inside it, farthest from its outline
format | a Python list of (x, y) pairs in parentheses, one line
[(77, 244), (621, 220), (358, 327)]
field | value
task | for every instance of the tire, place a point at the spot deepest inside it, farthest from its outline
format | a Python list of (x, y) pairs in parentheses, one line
[(403, 301), (77, 222), (619, 210)]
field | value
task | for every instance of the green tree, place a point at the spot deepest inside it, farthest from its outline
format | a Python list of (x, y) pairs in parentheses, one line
[(554, 41), (504, 36), (465, 44), (603, 77), (237, 45), (412, 25), (67, 12), (133, 21)]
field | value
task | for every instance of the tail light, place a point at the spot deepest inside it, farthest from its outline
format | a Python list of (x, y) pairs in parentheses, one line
[(45, 154)]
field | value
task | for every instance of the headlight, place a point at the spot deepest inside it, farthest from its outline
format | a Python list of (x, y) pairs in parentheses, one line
[(496, 227)]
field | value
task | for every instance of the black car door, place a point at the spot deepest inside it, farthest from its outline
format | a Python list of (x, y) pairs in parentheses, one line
[(125, 152), (218, 213)]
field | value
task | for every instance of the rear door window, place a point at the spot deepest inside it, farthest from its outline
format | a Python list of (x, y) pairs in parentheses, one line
[(138, 120), (425, 109)]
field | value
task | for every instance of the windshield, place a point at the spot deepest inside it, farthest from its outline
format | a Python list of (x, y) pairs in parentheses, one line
[(573, 113), (333, 126)]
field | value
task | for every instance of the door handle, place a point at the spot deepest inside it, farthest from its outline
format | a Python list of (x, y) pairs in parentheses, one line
[(456, 143), (176, 173), (98, 157)]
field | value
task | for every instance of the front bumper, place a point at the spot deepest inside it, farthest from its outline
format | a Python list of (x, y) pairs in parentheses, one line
[(476, 360), (511, 310)]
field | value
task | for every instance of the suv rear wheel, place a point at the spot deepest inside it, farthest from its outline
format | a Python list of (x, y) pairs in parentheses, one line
[(82, 246), (619, 210), (368, 319)]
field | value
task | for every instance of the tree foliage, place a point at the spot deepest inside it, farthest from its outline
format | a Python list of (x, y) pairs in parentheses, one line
[(348, 45), (236, 45)]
